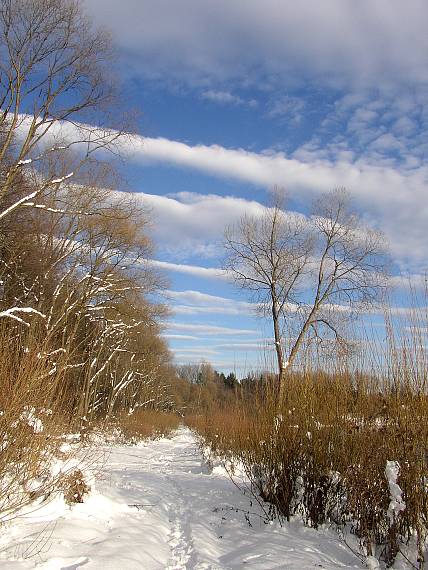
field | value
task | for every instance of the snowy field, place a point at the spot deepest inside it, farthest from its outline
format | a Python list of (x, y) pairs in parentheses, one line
[(158, 506)]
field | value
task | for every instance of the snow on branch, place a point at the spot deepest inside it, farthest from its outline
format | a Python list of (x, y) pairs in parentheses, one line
[(11, 314), (26, 200), (59, 180), (19, 203), (57, 210)]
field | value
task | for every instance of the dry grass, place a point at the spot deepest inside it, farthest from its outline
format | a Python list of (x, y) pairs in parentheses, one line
[(35, 415), (322, 453), (143, 424), (30, 423)]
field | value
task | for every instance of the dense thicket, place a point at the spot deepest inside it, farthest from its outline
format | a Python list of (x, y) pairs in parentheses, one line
[(79, 321), (346, 446)]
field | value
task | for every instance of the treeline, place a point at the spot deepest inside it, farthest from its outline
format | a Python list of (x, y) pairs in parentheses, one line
[(201, 389), (77, 287), (75, 296), (79, 301)]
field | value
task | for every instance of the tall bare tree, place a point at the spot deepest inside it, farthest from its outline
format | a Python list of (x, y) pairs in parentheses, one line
[(308, 273), (269, 256)]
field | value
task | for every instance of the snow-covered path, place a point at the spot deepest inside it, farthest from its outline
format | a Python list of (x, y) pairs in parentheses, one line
[(157, 506)]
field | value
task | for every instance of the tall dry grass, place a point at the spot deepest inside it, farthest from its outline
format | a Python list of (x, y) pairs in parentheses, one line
[(31, 421), (36, 413), (322, 453), (146, 423)]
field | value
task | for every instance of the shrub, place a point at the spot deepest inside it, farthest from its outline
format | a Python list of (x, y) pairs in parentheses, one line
[(324, 452), (145, 423)]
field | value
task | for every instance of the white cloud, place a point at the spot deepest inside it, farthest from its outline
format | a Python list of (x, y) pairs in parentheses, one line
[(395, 198), (201, 310), (286, 107), (246, 346), (193, 223), (338, 41), (196, 270), (195, 302), (212, 330), (226, 98), (219, 363), (194, 351), (222, 97), (404, 126), (179, 336), (196, 297), (364, 118), (410, 281)]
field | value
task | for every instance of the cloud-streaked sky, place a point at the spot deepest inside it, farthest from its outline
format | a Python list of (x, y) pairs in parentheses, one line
[(237, 96)]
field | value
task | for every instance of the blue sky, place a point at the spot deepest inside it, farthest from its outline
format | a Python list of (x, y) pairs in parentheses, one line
[(238, 96)]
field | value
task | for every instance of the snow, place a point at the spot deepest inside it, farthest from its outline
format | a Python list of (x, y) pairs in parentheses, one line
[(59, 180), (158, 505), (11, 312), (396, 504), (28, 416), (372, 563)]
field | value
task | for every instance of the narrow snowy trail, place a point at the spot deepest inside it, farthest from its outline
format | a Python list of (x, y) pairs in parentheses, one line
[(157, 506)]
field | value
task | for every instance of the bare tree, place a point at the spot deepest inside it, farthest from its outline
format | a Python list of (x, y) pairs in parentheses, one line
[(52, 80), (80, 314), (189, 372), (308, 273), (269, 256), (52, 74)]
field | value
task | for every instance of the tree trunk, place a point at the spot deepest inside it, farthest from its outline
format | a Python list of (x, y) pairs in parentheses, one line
[(278, 347)]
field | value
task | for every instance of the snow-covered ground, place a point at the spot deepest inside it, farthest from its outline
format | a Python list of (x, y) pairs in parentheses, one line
[(157, 506)]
